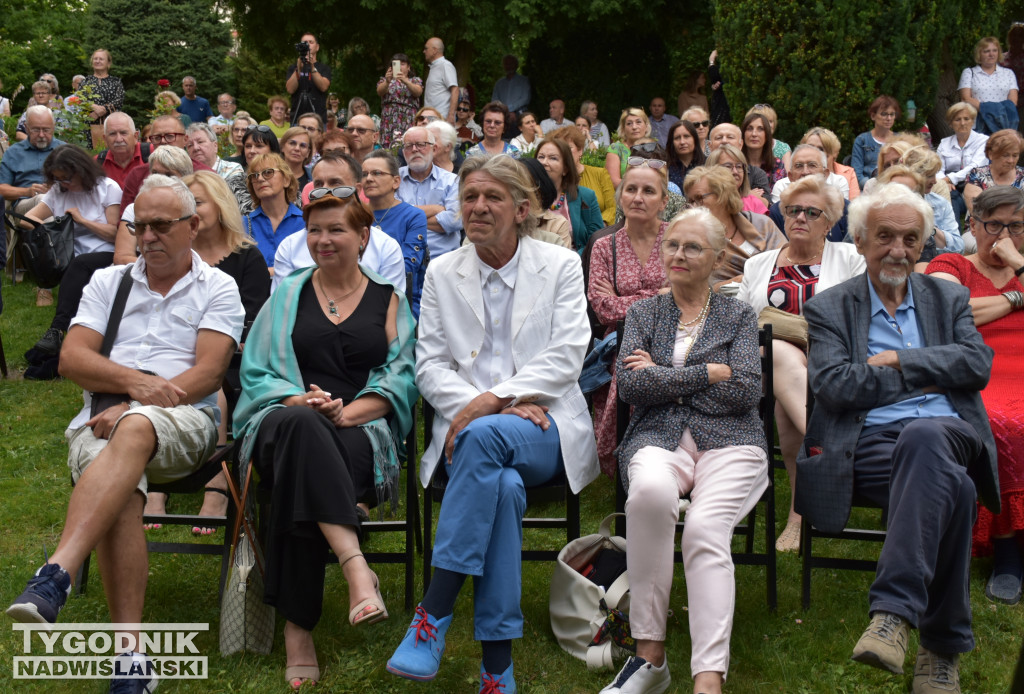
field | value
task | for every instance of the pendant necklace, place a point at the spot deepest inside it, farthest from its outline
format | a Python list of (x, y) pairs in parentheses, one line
[(332, 304)]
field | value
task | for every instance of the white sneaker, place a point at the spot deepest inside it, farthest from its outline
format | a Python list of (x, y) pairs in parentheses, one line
[(638, 676)]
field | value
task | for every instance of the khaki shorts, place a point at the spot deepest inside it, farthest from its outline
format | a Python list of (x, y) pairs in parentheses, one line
[(186, 438)]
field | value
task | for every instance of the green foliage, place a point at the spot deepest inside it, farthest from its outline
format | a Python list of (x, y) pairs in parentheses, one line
[(40, 36), (258, 77), (823, 64), (162, 39)]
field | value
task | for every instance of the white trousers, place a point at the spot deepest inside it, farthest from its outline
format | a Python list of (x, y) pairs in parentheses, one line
[(724, 484)]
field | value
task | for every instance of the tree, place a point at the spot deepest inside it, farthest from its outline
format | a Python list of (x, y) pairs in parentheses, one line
[(162, 39), (824, 63), (40, 36)]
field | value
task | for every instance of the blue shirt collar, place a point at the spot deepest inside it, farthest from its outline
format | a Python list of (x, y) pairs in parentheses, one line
[(876, 303)]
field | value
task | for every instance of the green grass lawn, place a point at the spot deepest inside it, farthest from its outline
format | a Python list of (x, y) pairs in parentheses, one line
[(786, 651)]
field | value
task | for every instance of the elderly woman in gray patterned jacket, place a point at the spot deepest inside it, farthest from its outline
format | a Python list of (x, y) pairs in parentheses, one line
[(689, 364)]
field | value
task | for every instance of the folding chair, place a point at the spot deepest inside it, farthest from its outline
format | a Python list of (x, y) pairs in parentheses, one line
[(195, 482), (766, 409), (808, 532), (555, 490)]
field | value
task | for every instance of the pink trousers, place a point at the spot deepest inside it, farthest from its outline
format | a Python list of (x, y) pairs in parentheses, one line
[(724, 484)]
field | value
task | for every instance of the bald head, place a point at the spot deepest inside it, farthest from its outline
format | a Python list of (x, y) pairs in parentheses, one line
[(364, 134), (726, 134), (433, 49)]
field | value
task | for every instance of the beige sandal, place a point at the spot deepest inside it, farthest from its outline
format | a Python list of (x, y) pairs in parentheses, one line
[(356, 615), (789, 540), (298, 675)]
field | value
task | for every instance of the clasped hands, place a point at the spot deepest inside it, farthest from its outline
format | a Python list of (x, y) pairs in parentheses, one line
[(321, 401), (149, 389), (488, 403)]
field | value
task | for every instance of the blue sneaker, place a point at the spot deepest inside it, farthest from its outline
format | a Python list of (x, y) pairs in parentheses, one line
[(418, 657), (504, 683), (44, 596)]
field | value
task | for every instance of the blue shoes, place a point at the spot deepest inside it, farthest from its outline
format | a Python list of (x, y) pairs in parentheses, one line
[(505, 683), (44, 596), (418, 657)]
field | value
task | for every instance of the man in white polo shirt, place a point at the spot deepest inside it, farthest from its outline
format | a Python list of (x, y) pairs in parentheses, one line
[(180, 325)]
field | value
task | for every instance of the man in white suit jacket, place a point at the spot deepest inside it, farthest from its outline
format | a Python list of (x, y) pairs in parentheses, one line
[(503, 332)]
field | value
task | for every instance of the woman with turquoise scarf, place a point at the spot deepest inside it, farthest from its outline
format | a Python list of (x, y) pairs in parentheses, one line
[(327, 395)]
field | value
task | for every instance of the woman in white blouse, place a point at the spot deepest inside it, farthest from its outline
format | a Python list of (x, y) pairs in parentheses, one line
[(988, 81), (961, 152)]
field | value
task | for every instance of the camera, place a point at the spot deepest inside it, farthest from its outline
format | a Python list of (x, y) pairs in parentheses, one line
[(303, 50)]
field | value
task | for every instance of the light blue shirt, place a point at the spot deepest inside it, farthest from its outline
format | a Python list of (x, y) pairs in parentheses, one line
[(946, 220), (507, 148), (440, 187), (513, 91), (899, 334)]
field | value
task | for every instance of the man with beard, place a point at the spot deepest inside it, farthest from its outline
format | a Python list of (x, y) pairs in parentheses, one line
[(896, 366), (432, 189)]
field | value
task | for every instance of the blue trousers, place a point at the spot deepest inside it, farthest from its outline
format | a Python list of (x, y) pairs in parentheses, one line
[(916, 469), (480, 527)]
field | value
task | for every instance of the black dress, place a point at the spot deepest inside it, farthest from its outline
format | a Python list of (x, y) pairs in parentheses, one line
[(318, 472)]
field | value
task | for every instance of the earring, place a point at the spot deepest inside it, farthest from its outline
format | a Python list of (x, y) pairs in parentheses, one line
[(362, 246)]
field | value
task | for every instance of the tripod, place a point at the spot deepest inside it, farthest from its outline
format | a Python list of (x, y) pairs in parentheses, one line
[(304, 104)]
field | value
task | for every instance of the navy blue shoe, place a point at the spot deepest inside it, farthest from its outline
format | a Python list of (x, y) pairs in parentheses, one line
[(418, 657), (505, 683), (127, 664), (44, 596)]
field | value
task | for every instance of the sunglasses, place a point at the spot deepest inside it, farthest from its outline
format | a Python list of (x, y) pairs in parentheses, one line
[(701, 123), (649, 163), (646, 147), (265, 174), (159, 227), (793, 211), (462, 109), (340, 192), (263, 129), (359, 131)]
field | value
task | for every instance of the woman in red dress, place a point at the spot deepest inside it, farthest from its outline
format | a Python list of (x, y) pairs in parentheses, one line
[(993, 276)]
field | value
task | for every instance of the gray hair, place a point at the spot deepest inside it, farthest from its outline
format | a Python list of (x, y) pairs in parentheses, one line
[(39, 110), (822, 159), (55, 86), (119, 114), (201, 128), (188, 77), (174, 158), (714, 230), (887, 195), (513, 176), (443, 133), (177, 186), (995, 197)]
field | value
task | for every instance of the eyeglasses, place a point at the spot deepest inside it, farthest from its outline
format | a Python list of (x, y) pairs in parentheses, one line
[(701, 123), (698, 200), (39, 131), (296, 143), (427, 119), (159, 226), (646, 147), (649, 163), (794, 211), (691, 251), (377, 174), (311, 129), (806, 166), (262, 129), (359, 131), (732, 166), (165, 139), (995, 227), (64, 181), (265, 174), (421, 146), (341, 192)]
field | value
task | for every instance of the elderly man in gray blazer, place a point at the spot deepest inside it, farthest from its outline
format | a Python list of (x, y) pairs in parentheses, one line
[(896, 366)]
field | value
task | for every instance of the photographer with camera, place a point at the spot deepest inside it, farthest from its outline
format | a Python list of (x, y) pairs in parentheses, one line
[(308, 80)]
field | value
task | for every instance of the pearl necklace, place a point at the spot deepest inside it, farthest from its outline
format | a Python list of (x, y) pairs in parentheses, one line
[(700, 316), (332, 304)]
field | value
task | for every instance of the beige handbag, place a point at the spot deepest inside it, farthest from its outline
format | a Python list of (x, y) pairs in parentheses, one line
[(246, 622), (785, 326), (589, 620)]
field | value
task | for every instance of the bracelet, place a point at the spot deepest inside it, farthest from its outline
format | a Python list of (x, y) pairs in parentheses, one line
[(1019, 271), (1015, 298)]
